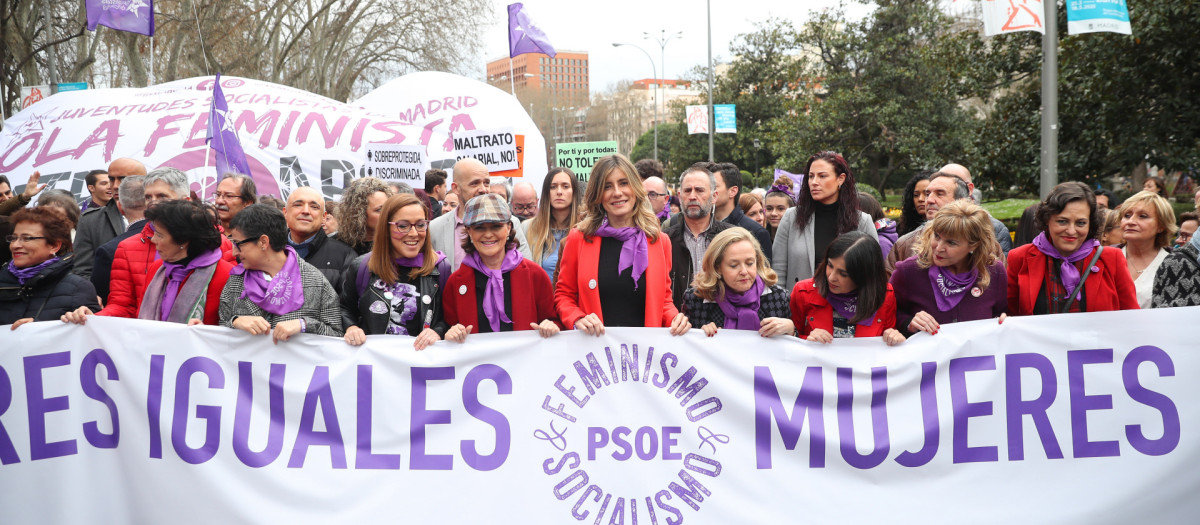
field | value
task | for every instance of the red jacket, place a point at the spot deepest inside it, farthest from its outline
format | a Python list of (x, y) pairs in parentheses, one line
[(532, 297), (1109, 289), (579, 266), (131, 272), (810, 311), (212, 298)]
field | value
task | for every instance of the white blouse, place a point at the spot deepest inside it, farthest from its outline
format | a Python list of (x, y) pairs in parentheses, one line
[(1144, 282)]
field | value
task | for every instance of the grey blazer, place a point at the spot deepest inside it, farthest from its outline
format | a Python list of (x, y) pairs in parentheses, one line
[(794, 258), (441, 230), (96, 227)]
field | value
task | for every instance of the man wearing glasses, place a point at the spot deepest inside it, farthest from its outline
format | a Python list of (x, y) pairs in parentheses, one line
[(234, 193), (656, 192), (524, 201)]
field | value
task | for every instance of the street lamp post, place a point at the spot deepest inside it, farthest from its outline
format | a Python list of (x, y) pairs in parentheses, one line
[(662, 40), (653, 71)]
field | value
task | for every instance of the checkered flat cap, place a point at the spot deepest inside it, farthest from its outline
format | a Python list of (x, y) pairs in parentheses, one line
[(485, 208)]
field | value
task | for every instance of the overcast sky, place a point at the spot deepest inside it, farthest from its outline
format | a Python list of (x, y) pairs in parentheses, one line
[(593, 27)]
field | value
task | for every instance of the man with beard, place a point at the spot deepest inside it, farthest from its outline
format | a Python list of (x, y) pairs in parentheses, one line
[(690, 236), (234, 193)]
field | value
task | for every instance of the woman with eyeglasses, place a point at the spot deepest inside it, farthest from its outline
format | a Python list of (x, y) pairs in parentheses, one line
[(37, 284), (273, 290), (496, 289), (559, 211), (397, 288)]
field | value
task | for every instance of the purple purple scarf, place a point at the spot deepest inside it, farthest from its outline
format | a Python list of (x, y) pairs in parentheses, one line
[(25, 274), (418, 261), (176, 273), (1067, 270), (493, 295), (633, 249), (949, 288), (741, 309), (283, 294), (846, 304), (665, 213)]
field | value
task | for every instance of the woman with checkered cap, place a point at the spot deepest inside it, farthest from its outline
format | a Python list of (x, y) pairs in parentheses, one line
[(496, 289)]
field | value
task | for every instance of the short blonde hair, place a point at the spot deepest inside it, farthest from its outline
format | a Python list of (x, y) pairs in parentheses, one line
[(708, 284), (964, 220), (1163, 213)]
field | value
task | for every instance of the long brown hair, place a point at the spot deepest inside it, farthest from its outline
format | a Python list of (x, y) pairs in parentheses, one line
[(383, 257), (847, 216), (593, 212), (538, 234)]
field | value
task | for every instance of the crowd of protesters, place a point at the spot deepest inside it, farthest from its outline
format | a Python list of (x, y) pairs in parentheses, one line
[(813, 258)]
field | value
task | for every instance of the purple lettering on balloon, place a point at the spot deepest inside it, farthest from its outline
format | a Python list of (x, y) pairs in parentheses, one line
[(768, 407), (487, 415), (1034, 408), (319, 393), (39, 406), (92, 389), (364, 458), (163, 129), (245, 410), (929, 417), (1152, 399), (154, 404), (965, 410), (1081, 404), (879, 422), (8, 452), (211, 414), (421, 417)]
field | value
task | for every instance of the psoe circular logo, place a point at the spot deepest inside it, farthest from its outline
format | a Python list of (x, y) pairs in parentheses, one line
[(631, 437)]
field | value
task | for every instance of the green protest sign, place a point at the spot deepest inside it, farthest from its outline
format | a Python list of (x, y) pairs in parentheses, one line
[(579, 157)]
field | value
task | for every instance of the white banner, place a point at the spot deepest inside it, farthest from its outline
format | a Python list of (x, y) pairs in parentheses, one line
[(291, 137), (1010, 16), (697, 119), (1078, 418), (398, 163)]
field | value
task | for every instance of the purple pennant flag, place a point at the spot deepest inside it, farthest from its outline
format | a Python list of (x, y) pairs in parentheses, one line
[(222, 138), (135, 16), (523, 35)]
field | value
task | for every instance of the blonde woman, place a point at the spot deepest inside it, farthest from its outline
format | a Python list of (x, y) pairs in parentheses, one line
[(559, 210), (616, 262), (736, 289), (957, 274), (359, 212), (1148, 227), (1111, 234)]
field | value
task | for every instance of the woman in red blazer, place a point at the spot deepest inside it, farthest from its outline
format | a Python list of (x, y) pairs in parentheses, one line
[(616, 262), (1041, 274), (496, 289), (849, 295)]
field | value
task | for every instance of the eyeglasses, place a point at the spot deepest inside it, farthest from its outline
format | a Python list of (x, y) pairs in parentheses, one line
[(226, 196), (25, 239), (1184, 236), (403, 227), (655, 195), (238, 244), (524, 207)]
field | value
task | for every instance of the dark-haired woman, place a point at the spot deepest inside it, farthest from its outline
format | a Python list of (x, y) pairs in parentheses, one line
[(37, 284), (826, 208), (912, 211), (1044, 276), (273, 290), (496, 289), (778, 200), (1156, 186), (885, 228), (397, 288), (559, 210), (849, 296), (190, 273)]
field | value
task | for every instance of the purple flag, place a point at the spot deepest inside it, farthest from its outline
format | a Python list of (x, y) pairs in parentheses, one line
[(523, 36), (222, 138), (135, 16)]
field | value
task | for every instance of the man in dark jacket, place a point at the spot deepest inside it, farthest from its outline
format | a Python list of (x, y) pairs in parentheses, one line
[(690, 236), (131, 201), (97, 226), (305, 214), (728, 189)]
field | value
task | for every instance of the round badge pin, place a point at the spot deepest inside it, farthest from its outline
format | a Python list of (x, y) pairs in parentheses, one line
[(425, 299), (976, 292), (388, 295), (592, 284), (462, 290)]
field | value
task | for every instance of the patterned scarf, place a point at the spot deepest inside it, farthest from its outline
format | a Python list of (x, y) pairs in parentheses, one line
[(279, 295), (846, 305), (949, 288)]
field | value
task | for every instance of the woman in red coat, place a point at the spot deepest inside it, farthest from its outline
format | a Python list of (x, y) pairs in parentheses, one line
[(496, 289), (615, 263), (849, 296), (1042, 274)]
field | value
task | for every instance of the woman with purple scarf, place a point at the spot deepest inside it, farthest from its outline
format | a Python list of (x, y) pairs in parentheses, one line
[(37, 284), (496, 289), (1065, 269), (735, 289), (272, 290), (848, 297), (956, 275)]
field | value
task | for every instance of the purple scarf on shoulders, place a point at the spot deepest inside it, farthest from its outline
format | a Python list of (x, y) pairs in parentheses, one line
[(167, 287), (949, 288), (418, 261), (493, 295), (846, 304), (282, 294), (634, 252), (1068, 271), (741, 309), (25, 274)]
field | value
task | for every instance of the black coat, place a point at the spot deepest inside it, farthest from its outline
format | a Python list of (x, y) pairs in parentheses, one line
[(739, 218), (96, 227), (331, 257), (357, 297), (103, 259), (46, 296)]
